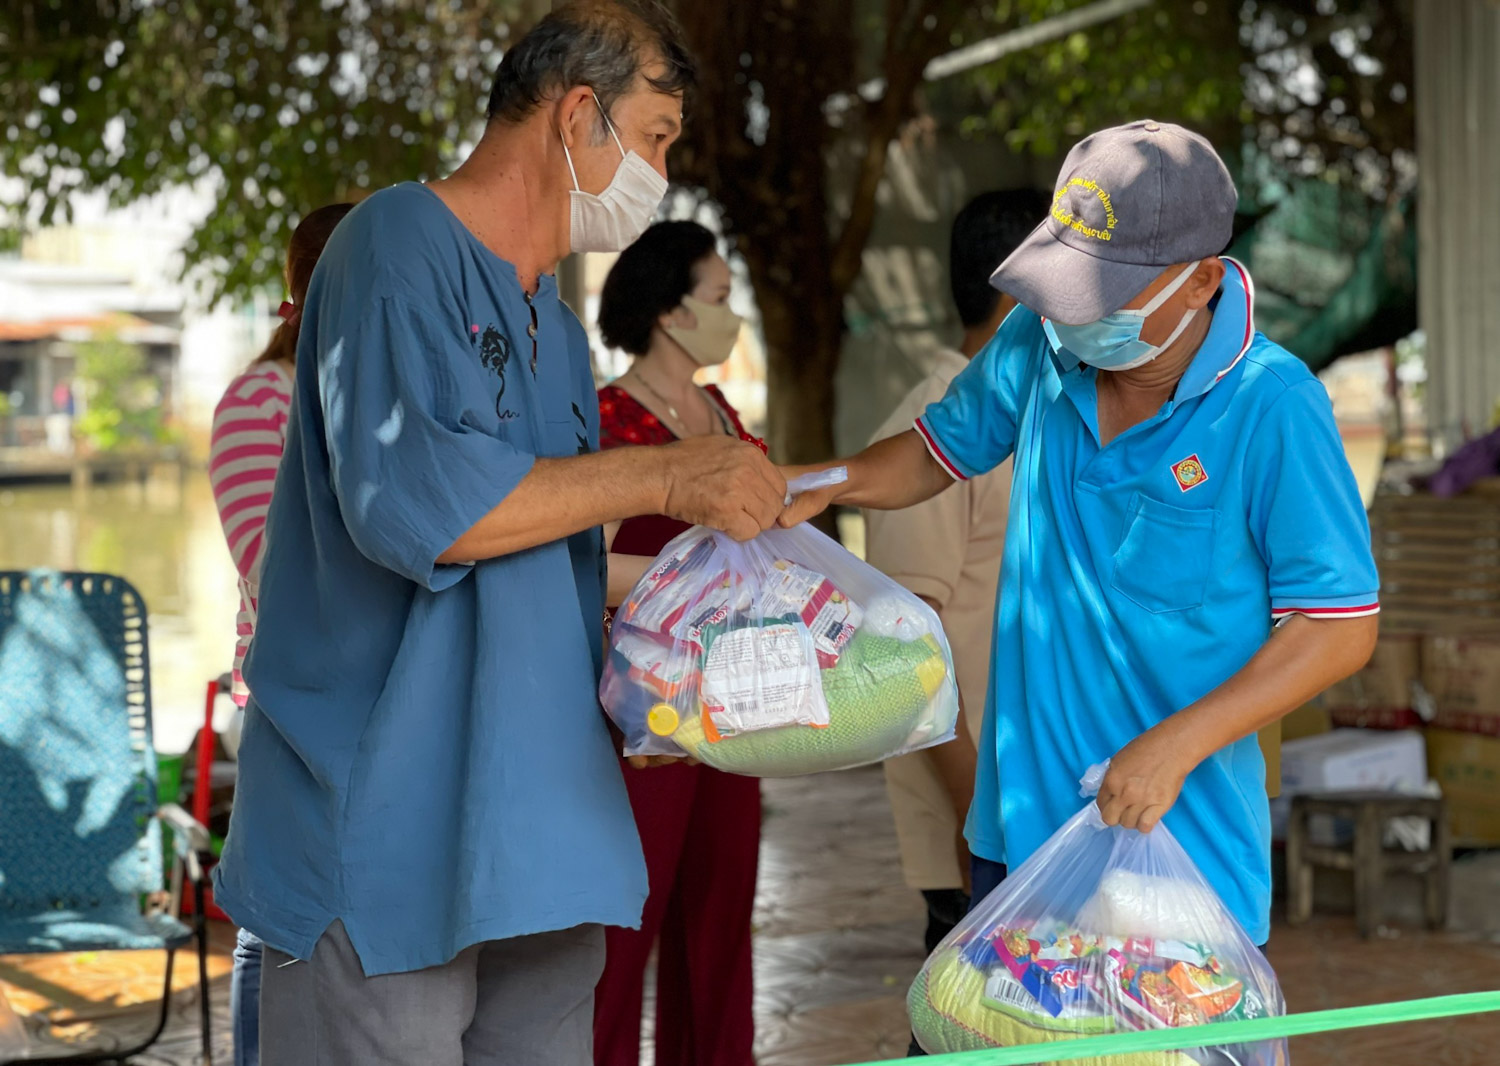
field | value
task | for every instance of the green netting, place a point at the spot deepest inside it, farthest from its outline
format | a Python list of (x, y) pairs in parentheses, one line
[(1335, 271), (1239, 1032)]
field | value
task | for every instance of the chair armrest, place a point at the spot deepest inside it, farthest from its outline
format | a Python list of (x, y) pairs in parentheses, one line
[(190, 838)]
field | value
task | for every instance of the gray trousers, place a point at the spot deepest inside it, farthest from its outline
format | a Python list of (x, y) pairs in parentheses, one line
[(528, 1001)]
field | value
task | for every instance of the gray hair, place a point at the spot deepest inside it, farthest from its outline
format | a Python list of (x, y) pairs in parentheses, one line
[(603, 44)]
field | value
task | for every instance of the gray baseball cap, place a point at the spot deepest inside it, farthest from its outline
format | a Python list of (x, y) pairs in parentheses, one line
[(1130, 201)]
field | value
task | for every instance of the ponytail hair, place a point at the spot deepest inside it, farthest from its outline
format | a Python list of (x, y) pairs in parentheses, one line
[(302, 254)]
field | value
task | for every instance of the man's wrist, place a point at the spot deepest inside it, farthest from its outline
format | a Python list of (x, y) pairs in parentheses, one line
[(653, 478), (847, 492), (1188, 736)]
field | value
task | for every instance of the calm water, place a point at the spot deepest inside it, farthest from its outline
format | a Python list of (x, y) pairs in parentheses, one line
[(165, 539)]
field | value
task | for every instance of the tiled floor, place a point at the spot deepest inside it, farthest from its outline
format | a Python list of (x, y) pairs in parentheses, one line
[(839, 939), (112, 1001)]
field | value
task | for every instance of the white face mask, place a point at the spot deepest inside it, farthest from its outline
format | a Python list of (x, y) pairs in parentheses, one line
[(712, 341), (1114, 341), (611, 220)]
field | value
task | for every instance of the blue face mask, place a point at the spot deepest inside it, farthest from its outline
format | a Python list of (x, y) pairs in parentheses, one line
[(1114, 341)]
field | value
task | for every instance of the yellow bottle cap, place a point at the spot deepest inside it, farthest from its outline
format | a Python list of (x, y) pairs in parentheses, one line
[(662, 720)]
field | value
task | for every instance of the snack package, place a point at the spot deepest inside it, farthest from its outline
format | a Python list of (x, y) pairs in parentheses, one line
[(1103, 930), (781, 656)]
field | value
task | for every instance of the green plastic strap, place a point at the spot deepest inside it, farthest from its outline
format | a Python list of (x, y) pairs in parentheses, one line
[(1216, 1033)]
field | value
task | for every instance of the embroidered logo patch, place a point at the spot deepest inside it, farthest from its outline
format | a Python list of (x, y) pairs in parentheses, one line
[(1189, 473), (1073, 201)]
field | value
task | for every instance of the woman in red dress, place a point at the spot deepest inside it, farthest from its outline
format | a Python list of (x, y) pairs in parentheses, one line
[(666, 302)]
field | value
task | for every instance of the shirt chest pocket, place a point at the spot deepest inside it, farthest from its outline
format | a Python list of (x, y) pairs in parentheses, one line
[(565, 437), (1165, 556)]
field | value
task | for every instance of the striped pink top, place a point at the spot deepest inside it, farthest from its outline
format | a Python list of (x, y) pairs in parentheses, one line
[(249, 435)]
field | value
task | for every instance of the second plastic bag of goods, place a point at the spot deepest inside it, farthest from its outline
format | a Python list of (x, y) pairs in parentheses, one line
[(1103, 930), (783, 655)]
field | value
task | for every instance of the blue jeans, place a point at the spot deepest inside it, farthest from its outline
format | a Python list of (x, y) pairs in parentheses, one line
[(244, 999), (986, 875)]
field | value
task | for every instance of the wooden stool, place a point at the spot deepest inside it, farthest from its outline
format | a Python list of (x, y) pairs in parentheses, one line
[(1367, 857)]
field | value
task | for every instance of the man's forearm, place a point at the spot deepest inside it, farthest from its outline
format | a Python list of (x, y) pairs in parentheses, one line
[(894, 473), (560, 497), (887, 476), (956, 762), (1302, 658)]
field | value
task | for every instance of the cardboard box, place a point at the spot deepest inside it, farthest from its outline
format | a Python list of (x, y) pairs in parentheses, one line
[(1375, 718), (1347, 760), (1380, 696), (1462, 675), (1270, 750), (1467, 768), (1306, 721)]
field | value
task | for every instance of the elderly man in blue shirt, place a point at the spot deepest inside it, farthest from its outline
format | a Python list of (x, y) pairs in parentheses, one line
[(1187, 558), (431, 828)]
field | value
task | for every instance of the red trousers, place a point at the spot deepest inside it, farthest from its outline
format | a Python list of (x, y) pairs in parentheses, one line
[(700, 830)]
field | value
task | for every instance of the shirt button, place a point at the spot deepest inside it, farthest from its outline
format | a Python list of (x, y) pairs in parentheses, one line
[(531, 331)]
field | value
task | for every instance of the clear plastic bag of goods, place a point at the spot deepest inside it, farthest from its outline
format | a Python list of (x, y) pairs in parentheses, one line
[(1103, 930), (780, 656)]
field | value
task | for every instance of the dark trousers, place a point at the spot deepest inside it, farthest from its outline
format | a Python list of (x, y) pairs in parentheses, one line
[(945, 909), (986, 877)]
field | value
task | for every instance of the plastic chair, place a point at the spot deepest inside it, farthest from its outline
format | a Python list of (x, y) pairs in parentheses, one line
[(80, 828)]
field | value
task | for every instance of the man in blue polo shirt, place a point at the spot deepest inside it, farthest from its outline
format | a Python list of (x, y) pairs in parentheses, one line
[(1187, 558)]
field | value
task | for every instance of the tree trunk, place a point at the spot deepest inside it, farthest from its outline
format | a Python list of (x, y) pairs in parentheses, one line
[(759, 145), (802, 349)]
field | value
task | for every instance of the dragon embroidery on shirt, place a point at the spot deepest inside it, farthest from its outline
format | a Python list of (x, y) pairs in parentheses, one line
[(583, 431), (494, 355)]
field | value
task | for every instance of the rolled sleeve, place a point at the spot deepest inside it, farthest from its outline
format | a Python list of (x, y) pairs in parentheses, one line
[(1306, 513), (411, 468), (921, 547), (972, 429)]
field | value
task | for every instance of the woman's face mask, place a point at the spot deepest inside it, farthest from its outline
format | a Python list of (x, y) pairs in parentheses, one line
[(611, 221), (1114, 341), (712, 341)]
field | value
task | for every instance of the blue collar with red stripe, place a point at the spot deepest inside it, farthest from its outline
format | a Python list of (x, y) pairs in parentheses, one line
[(1227, 340)]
